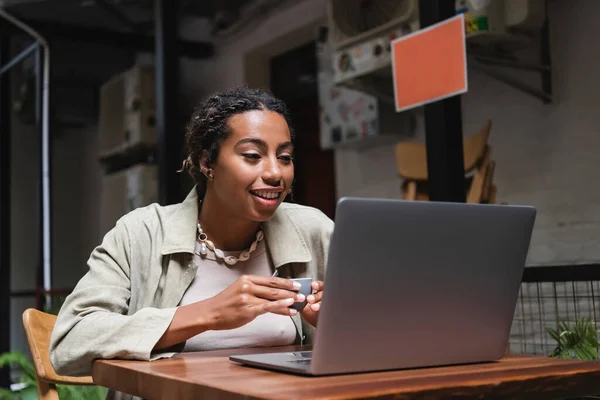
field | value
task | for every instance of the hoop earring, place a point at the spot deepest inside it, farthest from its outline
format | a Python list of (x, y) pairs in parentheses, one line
[(207, 172)]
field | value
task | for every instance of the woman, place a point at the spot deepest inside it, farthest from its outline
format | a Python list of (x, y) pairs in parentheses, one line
[(199, 275)]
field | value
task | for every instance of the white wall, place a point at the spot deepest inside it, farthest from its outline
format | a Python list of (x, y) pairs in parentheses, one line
[(75, 200), (75, 194), (25, 227), (546, 154), (75, 188)]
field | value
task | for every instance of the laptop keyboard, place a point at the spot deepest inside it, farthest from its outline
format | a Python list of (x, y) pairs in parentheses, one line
[(304, 361), (302, 357)]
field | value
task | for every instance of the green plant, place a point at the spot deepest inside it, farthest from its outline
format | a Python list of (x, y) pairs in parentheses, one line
[(81, 392), (577, 341), (28, 387)]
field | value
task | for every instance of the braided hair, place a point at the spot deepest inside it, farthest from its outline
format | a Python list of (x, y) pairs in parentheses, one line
[(208, 126)]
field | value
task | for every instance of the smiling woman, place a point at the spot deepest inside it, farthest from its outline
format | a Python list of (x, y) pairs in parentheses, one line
[(200, 274)]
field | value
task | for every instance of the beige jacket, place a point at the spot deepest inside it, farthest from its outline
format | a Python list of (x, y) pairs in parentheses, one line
[(138, 275)]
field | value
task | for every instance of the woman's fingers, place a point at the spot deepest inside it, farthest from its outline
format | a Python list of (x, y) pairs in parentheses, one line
[(316, 297), (281, 307), (270, 293), (317, 286), (275, 282)]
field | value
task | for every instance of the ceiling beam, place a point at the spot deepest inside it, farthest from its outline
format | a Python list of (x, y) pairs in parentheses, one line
[(132, 40), (114, 12)]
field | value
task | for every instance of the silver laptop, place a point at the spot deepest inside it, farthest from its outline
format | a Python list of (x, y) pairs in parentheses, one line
[(414, 284)]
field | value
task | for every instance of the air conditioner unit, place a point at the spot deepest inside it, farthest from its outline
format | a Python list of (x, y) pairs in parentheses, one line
[(355, 21), (361, 32)]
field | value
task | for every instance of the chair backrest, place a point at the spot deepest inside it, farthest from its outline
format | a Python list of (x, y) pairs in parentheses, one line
[(411, 157), (38, 327), (411, 161), (475, 146)]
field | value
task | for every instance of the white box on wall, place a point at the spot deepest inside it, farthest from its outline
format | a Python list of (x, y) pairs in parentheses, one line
[(126, 190), (354, 118), (140, 106), (128, 110)]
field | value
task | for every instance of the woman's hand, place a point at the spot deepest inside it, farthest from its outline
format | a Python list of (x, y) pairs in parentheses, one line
[(240, 303), (249, 297), (311, 311)]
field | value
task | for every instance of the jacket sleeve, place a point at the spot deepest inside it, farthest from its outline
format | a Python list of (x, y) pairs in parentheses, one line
[(94, 322)]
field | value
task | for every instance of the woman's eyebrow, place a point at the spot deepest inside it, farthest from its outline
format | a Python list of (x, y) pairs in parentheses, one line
[(263, 145), (285, 145), (255, 141)]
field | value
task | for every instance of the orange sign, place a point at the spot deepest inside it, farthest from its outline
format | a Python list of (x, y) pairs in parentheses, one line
[(430, 64)]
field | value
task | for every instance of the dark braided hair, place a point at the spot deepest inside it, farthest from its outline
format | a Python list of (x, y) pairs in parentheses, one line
[(208, 126)]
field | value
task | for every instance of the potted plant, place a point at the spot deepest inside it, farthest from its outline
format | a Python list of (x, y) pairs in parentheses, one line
[(578, 341), (26, 387)]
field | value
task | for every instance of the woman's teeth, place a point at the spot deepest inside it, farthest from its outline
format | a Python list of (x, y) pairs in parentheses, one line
[(266, 195)]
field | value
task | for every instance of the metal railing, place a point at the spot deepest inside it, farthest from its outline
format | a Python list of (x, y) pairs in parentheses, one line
[(550, 295)]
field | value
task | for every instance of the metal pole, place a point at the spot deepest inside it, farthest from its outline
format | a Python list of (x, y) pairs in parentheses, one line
[(20, 57), (170, 137), (443, 126), (5, 164), (46, 244), (546, 59), (40, 273)]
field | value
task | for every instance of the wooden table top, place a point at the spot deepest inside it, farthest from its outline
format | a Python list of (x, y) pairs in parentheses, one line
[(212, 375)]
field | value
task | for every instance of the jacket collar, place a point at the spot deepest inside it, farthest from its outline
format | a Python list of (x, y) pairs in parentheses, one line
[(180, 226), (285, 242)]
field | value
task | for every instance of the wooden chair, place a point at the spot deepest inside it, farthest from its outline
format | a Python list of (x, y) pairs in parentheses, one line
[(38, 327), (411, 161)]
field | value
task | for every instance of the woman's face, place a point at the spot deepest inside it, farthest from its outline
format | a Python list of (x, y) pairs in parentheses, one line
[(254, 169)]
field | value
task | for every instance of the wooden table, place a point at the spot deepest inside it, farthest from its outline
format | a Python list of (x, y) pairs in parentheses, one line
[(210, 375)]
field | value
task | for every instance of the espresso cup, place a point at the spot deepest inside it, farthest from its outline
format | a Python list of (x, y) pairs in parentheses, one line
[(306, 290)]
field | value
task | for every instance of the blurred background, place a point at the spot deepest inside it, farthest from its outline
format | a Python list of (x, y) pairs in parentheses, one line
[(124, 76)]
